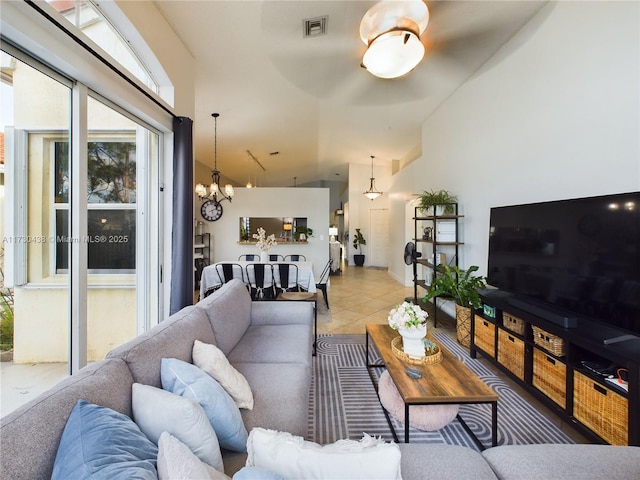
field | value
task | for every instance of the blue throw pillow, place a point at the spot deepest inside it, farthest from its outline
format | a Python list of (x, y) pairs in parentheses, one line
[(256, 473), (189, 381), (100, 443)]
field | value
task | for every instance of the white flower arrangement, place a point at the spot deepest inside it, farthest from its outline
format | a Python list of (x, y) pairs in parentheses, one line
[(264, 244), (407, 316)]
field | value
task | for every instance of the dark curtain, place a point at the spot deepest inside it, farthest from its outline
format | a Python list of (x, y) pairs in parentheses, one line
[(182, 234)]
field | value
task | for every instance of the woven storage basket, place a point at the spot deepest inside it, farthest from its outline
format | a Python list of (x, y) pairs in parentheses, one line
[(485, 336), (550, 377), (512, 323), (601, 409), (551, 343), (428, 359), (511, 353)]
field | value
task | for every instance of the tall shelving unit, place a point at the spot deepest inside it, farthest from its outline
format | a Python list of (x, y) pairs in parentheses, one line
[(437, 239), (201, 255)]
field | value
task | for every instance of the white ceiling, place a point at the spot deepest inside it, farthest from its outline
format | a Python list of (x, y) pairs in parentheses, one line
[(308, 98)]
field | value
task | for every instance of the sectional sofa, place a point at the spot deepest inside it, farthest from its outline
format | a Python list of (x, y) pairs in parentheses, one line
[(270, 343)]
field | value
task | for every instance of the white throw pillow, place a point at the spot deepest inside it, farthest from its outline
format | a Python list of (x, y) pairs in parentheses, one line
[(156, 411), (177, 462), (293, 457), (212, 360)]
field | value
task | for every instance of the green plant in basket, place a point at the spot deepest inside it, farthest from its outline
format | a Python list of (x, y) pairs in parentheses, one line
[(461, 285)]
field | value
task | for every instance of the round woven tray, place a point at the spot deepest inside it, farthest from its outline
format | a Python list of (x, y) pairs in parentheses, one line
[(428, 359)]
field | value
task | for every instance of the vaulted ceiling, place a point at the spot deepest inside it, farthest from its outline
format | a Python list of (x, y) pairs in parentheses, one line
[(308, 98)]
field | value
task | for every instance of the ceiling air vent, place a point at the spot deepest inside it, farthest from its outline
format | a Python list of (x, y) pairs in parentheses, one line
[(313, 27)]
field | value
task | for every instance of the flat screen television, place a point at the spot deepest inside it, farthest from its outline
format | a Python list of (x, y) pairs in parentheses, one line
[(573, 259)]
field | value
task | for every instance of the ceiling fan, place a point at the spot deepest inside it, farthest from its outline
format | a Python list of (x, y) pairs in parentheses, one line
[(461, 36)]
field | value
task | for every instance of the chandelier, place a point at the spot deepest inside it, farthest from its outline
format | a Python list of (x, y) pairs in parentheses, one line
[(372, 193), (214, 188), (391, 30)]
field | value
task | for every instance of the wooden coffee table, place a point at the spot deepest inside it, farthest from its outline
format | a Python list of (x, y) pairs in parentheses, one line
[(448, 382)]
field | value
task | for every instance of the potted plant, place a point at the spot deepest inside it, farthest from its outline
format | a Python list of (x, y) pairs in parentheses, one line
[(358, 240), (462, 286), (430, 199)]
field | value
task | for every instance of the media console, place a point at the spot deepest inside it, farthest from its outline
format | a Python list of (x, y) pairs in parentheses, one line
[(559, 365)]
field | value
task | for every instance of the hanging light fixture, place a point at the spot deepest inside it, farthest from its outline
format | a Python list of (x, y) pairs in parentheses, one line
[(372, 193), (214, 188), (391, 30)]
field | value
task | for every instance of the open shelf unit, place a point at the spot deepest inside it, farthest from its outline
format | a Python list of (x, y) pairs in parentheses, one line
[(548, 361), (201, 255), (437, 239)]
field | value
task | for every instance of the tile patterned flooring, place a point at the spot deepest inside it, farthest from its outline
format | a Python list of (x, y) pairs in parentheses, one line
[(363, 295)]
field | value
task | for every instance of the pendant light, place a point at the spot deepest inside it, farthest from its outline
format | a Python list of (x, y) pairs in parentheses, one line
[(214, 188), (372, 193)]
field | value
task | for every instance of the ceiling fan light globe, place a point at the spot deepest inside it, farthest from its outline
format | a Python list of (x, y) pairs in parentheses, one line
[(393, 54), (393, 14)]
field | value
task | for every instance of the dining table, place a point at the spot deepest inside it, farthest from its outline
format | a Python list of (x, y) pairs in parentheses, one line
[(210, 279)]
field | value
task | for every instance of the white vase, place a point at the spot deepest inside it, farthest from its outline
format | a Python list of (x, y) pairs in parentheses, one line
[(264, 257), (412, 343)]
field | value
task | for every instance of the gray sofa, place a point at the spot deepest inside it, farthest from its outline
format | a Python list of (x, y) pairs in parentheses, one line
[(270, 343)]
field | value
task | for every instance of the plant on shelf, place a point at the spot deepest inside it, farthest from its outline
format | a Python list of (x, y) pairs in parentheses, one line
[(306, 231), (429, 199), (358, 240), (462, 286)]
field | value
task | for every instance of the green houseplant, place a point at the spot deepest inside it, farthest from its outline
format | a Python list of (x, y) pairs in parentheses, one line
[(462, 286), (358, 240), (430, 198)]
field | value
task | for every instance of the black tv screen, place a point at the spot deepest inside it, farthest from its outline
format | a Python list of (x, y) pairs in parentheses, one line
[(580, 257)]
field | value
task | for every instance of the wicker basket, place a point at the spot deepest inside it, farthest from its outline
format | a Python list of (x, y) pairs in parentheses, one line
[(512, 323), (428, 359), (511, 353), (551, 343), (601, 409), (550, 377), (485, 336)]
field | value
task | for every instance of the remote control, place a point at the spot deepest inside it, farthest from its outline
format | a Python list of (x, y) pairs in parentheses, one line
[(414, 373)]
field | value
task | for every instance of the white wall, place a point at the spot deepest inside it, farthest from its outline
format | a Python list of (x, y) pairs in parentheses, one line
[(554, 115), (312, 203)]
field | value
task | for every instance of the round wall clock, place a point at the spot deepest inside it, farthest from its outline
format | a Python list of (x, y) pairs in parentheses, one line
[(211, 210)]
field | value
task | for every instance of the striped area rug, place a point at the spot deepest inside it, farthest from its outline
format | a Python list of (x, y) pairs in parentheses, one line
[(344, 403)]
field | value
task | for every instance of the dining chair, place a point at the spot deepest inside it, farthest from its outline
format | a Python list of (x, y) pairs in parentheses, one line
[(274, 257), (249, 257), (260, 280), (295, 258), (322, 281), (285, 278), (228, 271)]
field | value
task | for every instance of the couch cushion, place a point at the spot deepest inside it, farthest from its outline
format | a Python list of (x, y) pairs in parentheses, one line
[(579, 462), (177, 461), (281, 396), (35, 428), (274, 344), (189, 381), (172, 338), (213, 361), (98, 442), (229, 311), (443, 462), (156, 411), (293, 457)]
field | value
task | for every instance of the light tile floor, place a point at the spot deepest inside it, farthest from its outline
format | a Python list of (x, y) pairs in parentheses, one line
[(363, 295)]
